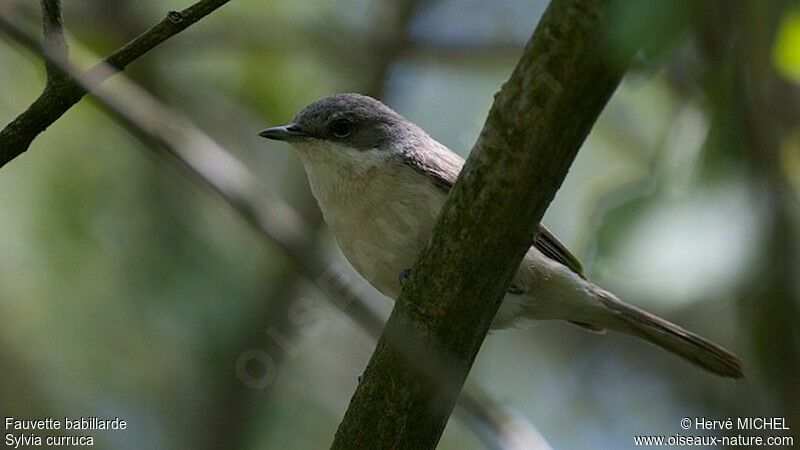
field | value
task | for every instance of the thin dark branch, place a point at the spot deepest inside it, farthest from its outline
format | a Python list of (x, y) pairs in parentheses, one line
[(197, 155), (54, 39), (57, 98), (535, 127), (174, 23)]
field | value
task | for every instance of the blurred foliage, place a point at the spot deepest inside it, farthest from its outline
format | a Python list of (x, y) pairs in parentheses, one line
[(786, 51), (654, 27), (127, 291)]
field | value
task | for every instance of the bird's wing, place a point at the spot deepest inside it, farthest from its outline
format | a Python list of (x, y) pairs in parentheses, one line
[(443, 172), (438, 164), (547, 243)]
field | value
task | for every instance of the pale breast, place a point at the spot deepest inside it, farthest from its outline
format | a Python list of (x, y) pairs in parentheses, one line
[(382, 243), (381, 218)]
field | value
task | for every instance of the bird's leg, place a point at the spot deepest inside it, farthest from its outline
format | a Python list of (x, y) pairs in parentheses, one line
[(404, 275), (515, 290)]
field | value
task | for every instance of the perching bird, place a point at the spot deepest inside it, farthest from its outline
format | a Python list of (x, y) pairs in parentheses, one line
[(381, 181)]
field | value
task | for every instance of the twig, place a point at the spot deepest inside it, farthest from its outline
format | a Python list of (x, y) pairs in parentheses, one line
[(197, 155), (61, 93), (174, 23)]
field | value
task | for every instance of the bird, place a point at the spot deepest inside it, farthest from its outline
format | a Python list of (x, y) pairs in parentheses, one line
[(381, 181)]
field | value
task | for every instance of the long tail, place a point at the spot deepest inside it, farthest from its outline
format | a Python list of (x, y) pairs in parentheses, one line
[(698, 350)]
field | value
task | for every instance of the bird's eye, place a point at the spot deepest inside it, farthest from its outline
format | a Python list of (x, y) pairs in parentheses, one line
[(341, 128)]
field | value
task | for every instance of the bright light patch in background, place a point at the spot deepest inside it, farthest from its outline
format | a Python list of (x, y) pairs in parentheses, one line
[(786, 52), (690, 247)]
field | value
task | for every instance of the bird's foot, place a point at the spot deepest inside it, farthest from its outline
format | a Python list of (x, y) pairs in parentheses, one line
[(515, 290), (404, 276)]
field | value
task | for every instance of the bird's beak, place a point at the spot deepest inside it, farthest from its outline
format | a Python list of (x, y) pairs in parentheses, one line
[(288, 133)]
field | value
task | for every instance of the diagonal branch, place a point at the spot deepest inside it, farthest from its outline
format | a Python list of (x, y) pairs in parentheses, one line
[(196, 154), (535, 127), (174, 23), (61, 93)]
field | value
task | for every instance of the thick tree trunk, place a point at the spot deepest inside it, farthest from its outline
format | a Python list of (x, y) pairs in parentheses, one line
[(538, 122)]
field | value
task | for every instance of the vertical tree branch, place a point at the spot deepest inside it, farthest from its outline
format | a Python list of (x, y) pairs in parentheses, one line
[(533, 132), (54, 39), (756, 115), (772, 307)]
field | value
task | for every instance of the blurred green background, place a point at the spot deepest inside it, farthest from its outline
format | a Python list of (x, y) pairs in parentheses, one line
[(127, 290)]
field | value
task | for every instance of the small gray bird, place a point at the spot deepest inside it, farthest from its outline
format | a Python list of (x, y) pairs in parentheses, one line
[(381, 181)]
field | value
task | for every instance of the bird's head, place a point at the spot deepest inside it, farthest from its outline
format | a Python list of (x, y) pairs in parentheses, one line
[(347, 127)]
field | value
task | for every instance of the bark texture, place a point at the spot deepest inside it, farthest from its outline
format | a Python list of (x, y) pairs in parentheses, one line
[(534, 129)]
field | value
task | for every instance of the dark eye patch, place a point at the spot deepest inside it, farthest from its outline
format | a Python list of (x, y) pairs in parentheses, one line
[(341, 128)]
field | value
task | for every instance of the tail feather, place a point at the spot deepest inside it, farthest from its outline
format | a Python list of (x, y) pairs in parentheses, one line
[(696, 349)]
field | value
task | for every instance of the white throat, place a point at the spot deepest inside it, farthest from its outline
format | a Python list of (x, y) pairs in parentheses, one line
[(337, 174), (380, 211)]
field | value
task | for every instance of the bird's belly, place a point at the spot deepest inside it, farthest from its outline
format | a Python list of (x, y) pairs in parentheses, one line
[(386, 241), (380, 262)]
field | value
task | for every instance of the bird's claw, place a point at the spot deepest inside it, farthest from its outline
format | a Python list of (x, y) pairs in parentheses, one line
[(404, 275), (515, 290)]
